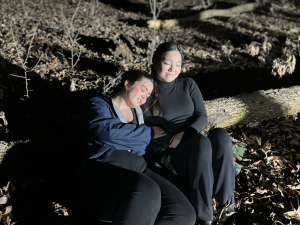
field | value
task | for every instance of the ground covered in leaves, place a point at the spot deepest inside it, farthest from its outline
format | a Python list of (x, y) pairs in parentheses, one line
[(69, 52)]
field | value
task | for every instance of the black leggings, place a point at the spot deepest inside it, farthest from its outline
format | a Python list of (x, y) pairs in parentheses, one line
[(123, 190), (207, 165)]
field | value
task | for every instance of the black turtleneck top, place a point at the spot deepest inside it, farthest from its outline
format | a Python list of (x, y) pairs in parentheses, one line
[(182, 110)]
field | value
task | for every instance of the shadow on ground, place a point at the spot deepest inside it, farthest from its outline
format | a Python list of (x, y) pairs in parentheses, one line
[(43, 169)]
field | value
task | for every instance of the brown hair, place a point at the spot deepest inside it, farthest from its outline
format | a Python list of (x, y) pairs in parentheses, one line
[(136, 75)]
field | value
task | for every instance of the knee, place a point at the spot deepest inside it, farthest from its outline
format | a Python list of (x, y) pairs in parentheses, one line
[(202, 147), (148, 191), (221, 146), (220, 139), (180, 211), (219, 135), (188, 215)]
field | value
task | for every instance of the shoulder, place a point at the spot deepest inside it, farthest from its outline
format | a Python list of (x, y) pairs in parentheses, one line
[(100, 101), (187, 82)]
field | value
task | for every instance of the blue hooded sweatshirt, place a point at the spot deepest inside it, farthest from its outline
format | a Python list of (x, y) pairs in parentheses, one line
[(106, 129)]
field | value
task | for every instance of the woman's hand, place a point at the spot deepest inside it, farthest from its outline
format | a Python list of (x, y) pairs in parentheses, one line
[(175, 140), (158, 132)]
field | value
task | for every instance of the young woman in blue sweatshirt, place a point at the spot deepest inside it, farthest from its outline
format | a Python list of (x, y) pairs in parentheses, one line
[(117, 185)]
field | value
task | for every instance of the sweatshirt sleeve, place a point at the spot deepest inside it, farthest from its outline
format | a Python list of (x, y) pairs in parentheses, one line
[(199, 119), (106, 130)]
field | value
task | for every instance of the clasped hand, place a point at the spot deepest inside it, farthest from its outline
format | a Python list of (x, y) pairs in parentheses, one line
[(158, 132), (175, 140)]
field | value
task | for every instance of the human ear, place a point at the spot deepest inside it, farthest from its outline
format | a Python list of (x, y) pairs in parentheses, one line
[(126, 84)]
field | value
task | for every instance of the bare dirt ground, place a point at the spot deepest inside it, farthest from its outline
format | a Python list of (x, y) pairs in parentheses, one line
[(226, 56)]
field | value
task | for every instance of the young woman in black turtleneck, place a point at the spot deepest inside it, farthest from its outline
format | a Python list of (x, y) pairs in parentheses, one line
[(206, 163)]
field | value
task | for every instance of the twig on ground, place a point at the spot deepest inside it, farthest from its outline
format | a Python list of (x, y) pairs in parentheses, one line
[(24, 62), (223, 213), (299, 45), (23, 5), (204, 4), (156, 7), (229, 59), (112, 82), (76, 48)]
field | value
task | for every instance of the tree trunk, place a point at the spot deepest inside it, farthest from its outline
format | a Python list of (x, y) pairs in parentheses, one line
[(253, 108)]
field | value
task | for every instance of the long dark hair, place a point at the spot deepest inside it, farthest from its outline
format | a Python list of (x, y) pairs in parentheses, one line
[(136, 75), (159, 53)]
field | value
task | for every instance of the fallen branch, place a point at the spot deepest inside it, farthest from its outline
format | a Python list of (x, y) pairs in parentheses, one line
[(206, 14)]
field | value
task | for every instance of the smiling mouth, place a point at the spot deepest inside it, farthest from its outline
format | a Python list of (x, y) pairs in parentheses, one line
[(140, 102)]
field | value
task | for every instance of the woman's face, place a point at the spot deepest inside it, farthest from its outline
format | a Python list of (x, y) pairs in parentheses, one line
[(169, 67), (138, 93)]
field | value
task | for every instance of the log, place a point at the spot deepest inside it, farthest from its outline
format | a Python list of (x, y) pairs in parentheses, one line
[(206, 14), (253, 108)]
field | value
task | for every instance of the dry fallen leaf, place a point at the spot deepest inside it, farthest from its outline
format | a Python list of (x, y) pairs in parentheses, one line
[(250, 141), (294, 187), (271, 159), (262, 179), (293, 214), (259, 191), (3, 200), (280, 189), (267, 146), (256, 163), (248, 202), (8, 210), (2, 116)]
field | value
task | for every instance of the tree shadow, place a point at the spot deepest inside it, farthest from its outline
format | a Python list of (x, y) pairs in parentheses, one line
[(44, 174), (220, 32), (45, 149), (128, 6), (105, 46), (230, 79), (259, 108), (99, 45), (131, 22), (233, 82)]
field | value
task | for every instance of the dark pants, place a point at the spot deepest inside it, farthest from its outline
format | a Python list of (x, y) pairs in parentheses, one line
[(123, 190), (207, 165)]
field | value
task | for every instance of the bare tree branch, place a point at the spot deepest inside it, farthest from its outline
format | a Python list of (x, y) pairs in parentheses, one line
[(24, 62)]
